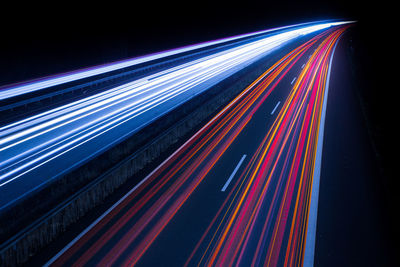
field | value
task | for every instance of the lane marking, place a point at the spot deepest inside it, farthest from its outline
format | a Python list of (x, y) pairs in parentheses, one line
[(309, 250), (276, 106), (303, 66), (233, 173), (293, 80)]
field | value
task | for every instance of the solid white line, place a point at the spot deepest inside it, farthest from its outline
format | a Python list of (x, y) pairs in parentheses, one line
[(293, 80), (276, 106), (233, 173), (312, 216)]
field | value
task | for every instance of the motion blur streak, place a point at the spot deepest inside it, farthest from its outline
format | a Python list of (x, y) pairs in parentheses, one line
[(31, 86), (283, 166), (263, 218), (43, 147)]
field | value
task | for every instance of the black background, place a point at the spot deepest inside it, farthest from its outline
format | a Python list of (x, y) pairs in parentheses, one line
[(42, 39), (49, 38)]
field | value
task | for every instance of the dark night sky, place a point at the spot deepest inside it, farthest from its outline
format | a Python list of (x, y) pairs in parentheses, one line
[(40, 40)]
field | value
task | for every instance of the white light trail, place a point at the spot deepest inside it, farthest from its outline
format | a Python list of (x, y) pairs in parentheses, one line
[(31, 143), (35, 85)]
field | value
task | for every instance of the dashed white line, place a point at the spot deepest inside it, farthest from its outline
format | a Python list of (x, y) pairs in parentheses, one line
[(233, 173), (276, 106), (293, 80)]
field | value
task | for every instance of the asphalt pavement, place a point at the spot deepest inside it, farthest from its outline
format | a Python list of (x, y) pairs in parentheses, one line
[(238, 191)]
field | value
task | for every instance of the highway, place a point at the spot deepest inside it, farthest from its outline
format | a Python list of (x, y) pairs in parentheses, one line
[(38, 149), (243, 190)]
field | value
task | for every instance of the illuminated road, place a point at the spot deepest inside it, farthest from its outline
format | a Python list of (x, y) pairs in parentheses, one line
[(242, 191), (43, 147)]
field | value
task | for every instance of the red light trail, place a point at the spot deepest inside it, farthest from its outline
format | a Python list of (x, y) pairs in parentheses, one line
[(264, 216)]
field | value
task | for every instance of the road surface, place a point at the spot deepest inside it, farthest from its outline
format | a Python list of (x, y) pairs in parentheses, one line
[(243, 190)]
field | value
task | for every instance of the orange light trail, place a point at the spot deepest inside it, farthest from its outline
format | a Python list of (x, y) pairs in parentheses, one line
[(263, 218)]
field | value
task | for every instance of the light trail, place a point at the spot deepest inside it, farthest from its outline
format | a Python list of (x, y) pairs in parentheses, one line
[(282, 167), (35, 85), (52, 143), (262, 219)]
